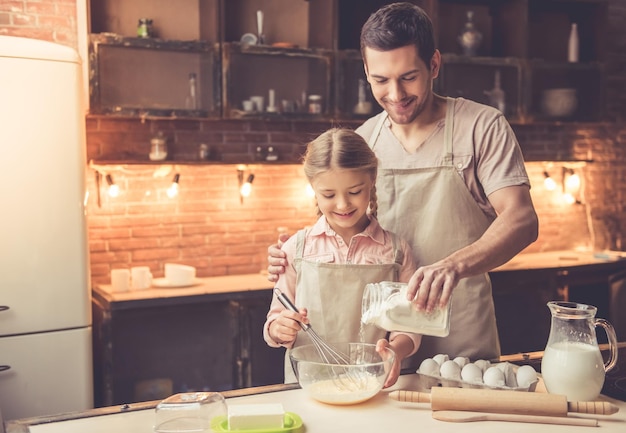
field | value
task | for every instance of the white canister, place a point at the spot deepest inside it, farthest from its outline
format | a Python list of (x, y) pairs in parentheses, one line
[(120, 280), (158, 147), (140, 277), (315, 104), (385, 305)]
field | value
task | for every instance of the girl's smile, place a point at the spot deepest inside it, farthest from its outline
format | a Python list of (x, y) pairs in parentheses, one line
[(343, 196)]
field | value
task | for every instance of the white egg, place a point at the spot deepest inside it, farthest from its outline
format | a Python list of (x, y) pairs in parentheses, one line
[(472, 373), (509, 375), (429, 367), (526, 375), (450, 370), (441, 358), (483, 364), (493, 377), (461, 360)]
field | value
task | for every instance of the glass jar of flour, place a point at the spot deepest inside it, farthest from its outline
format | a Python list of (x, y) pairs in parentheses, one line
[(386, 306)]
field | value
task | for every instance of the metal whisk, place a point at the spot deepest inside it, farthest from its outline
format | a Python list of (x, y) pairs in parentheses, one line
[(327, 352)]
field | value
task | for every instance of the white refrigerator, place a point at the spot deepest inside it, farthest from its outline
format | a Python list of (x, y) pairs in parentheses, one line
[(45, 299)]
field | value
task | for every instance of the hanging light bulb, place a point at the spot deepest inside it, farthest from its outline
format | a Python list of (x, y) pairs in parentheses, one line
[(246, 188), (572, 181), (172, 191), (309, 190), (571, 186), (548, 183), (569, 198), (114, 189)]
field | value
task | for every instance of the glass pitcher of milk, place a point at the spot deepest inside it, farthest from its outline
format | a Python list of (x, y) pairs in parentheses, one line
[(572, 364)]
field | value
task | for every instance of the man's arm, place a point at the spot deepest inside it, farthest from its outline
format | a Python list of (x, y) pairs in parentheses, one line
[(515, 227)]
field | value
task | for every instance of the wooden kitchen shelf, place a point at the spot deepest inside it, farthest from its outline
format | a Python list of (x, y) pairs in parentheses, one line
[(319, 53)]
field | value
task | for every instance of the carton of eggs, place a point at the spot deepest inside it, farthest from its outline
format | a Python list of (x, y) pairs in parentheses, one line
[(440, 370)]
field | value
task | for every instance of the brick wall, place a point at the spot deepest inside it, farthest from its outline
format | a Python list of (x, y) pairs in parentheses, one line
[(208, 227), (48, 20)]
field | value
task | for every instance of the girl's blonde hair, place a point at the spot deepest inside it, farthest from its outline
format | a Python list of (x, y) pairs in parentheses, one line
[(341, 148)]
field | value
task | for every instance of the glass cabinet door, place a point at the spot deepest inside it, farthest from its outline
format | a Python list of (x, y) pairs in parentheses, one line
[(270, 81), (134, 76)]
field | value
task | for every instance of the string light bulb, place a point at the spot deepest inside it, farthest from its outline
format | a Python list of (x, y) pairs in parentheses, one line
[(246, 188), (548, 183), (571, 186), (309, 190), (172, 191), (572, 181), (114, 189)]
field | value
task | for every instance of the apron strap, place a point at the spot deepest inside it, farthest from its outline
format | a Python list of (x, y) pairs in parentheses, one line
[(300, 235), (398, 256), (376, 132), (448, 157)]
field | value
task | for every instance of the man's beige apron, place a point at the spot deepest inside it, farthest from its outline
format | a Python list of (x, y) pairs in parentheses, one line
[(434, 211), (332, 293)]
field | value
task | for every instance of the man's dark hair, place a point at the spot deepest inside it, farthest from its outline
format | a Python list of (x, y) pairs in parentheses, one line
[(397, 25)]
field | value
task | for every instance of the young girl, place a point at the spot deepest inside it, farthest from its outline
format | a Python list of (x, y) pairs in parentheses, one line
[(330, 263)]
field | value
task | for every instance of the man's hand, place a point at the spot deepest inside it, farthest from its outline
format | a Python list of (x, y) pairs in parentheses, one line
[(276, 259), (431, 286)]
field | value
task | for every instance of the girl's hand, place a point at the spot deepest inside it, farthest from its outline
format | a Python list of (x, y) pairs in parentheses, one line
[(384, 349), (285, 327)]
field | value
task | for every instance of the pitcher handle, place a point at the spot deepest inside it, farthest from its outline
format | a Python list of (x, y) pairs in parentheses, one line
[(610, 333)]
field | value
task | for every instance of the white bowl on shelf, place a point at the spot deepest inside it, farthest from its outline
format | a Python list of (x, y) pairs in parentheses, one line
[(561, 102)]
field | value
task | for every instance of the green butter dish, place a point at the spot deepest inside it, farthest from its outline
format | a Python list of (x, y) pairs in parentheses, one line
[(291, 423)]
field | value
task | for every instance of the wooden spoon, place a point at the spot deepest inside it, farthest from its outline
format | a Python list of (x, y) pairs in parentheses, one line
[(462, 416)]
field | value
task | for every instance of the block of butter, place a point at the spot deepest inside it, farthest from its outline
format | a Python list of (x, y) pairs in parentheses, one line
[(255, 416)]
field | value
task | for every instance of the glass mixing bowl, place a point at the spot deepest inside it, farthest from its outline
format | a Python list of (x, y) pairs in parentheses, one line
[(341, 384)]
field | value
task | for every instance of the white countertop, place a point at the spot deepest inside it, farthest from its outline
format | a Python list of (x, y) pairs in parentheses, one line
[(378, 415)]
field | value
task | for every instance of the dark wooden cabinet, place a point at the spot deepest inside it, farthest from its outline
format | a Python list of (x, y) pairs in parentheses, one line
[(150, 349), (526, 41)]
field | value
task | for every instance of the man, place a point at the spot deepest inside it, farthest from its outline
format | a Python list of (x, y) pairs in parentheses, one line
[(451, 181)]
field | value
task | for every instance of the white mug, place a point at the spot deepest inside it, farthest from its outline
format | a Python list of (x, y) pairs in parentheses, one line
[(248, 105), (259, 103), (141, 277), (120, 280), (179, 275)]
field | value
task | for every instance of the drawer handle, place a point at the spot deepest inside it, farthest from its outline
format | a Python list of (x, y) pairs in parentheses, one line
[(4, 307), (4, 368)]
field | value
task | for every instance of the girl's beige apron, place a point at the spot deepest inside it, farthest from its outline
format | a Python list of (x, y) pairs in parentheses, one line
[(434, 211), (332, 293)]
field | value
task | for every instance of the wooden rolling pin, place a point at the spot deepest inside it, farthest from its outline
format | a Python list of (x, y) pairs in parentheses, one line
[(502, 401)]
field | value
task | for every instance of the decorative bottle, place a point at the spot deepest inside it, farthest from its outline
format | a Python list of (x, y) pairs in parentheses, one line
[(192, 98), (470, 38), (497, 97), (363, 106), (572, 47)]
